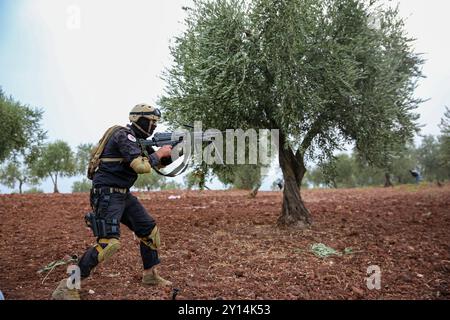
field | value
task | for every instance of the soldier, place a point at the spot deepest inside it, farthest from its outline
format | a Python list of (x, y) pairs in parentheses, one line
[(119, 161), (279, 183), (416, 175)]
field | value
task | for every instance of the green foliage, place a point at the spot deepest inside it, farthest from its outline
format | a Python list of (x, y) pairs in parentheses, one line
[(82, 157), (315, 178), (323, 251), (191, 180), (319, 71), (344, 168), (9, 175), (20, 128), (340, 172), (244, 176), (347, 171), (84, 185), (15, 173), (153, 181), (404, 160), (55, 160), (197, 178), (445, 123), (170, 185), (148, 181), (444, 141), (429, 159), (34, 190)]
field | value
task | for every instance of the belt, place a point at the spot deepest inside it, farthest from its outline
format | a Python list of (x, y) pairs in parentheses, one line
[(108, 190)]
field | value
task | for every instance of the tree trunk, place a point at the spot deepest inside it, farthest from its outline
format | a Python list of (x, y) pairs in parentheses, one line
[(294, 211), (55, 185), (20, 186), (387, 180), (254, 191)]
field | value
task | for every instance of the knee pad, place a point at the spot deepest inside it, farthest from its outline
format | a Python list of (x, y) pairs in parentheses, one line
[(152, 240), (106, 248)]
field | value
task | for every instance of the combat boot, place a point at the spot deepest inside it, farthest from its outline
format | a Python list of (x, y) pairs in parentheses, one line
[(152, 278), (62, 292)]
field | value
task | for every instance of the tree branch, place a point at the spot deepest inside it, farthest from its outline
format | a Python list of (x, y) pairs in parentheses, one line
[(51, 177), (310, 135)]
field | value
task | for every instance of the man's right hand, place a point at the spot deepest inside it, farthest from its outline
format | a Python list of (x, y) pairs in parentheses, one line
[(164, 151)]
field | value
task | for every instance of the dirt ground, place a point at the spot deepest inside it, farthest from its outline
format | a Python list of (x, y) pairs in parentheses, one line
[(222, 244)]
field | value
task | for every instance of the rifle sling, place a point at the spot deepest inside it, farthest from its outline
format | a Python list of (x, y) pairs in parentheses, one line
[(112, 159), (178, 170)]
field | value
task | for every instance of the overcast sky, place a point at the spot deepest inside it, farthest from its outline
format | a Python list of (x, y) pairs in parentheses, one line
[(87, 73)]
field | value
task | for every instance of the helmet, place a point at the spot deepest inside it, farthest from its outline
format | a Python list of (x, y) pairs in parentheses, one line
[(146, 111), (144, 118)]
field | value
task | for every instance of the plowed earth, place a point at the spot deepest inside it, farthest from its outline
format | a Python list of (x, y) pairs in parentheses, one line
[(222, 244)]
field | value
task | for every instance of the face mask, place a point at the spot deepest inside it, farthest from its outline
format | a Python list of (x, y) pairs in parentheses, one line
[(152, 127), (146, 125)]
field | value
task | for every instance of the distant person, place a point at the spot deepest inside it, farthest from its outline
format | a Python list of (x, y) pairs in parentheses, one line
[(280, 184), (416, 175), (114, 168)]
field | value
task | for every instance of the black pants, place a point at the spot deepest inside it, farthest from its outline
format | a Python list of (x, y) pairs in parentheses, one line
[(127, 209)]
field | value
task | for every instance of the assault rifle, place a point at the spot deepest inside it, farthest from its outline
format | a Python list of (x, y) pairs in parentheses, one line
[(162, 139)]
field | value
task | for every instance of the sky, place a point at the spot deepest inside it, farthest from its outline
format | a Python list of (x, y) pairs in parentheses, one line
[(86, 63)]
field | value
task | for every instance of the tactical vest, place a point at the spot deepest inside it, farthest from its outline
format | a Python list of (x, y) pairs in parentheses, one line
[(95, 160)]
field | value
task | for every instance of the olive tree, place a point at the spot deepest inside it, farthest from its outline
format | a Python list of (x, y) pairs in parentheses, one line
[(20, 127), (444, 140), (55, 160), (82, 157), (322, 72), (16, 173)]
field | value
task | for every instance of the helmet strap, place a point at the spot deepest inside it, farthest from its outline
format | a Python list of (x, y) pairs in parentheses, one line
[(146, 134)]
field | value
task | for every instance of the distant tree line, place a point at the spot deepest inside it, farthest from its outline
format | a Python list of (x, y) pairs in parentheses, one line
[(431, 159), (26, 158)]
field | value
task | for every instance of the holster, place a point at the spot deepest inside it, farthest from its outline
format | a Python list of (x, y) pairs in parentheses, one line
[(91, 222), (101, 227)]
